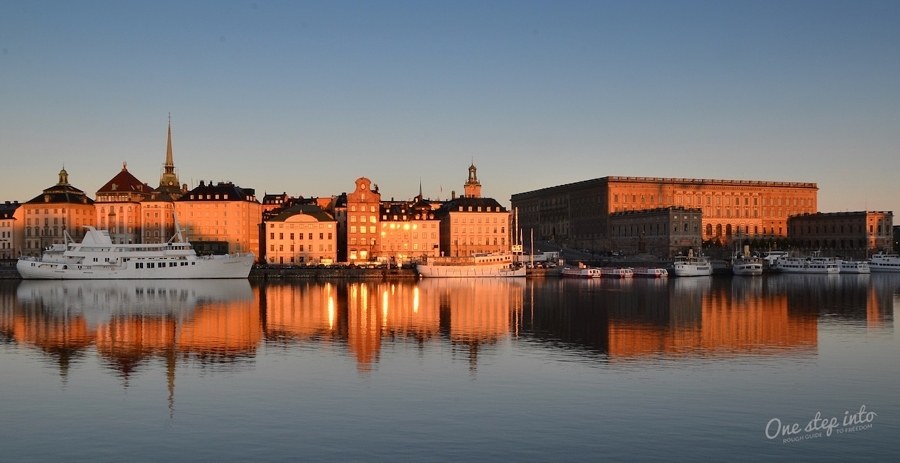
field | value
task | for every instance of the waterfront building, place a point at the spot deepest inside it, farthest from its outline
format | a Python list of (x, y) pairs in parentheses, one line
[(59, 209), (118, 206), (577, 214), (300, 234), (662, 232), (363, 208), (409, 230), (843, 232), (221, 218), (10, 230), (472, 224)]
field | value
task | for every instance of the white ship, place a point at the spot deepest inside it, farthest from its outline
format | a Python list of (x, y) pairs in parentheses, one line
[(692, 266), (474, 266), (854, 266), (813, 264), (98, 258), (882, 262)]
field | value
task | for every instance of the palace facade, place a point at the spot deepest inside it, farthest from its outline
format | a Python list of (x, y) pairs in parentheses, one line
[(578, 213)]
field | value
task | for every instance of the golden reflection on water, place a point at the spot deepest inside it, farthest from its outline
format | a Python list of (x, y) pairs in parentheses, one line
[(219, 322)]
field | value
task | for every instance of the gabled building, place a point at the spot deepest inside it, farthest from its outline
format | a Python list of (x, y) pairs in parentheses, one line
[(59, 209), (363, 230), (220, 218), (118, 206), (300, 234)]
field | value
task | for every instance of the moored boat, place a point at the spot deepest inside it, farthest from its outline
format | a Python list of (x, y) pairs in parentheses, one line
[(882, 262), (812, 264), (98, 258), (854, 266), (747, 266), (692, 266), (487, 265), (650, 272), (616, 272), (582, 271)]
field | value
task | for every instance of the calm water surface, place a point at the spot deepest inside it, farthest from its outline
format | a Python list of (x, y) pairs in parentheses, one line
[(715, 369)]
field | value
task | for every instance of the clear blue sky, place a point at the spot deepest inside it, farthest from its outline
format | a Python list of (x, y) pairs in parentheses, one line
[(305, 97)]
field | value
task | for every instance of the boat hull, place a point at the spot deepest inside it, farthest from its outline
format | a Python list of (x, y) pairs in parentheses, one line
[(228, 266), (473, 271)]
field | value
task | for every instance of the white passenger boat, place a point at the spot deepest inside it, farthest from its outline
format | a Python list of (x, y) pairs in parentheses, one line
[(747, 266), (812, 264), (882, 262), (854, 266), (650, 272), (616, 272), (582, 271), (98, 258), (474, 266), (692, 266)]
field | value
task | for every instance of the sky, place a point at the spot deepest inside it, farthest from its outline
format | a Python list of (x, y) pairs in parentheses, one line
[(306, 97)]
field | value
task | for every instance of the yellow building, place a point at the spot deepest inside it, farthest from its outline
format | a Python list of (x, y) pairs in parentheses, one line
[(60, 209), (301, 234), (221, 218)]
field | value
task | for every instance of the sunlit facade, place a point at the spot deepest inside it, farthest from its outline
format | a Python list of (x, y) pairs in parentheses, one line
[(363, 230), (61, 209), (578, 213), (221, 218), (301, 234), (409, 230)]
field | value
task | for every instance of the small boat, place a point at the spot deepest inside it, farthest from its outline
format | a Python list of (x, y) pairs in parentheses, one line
[(747, 266), (882, 262), (98, 258), (650, 272), (692, 266), (854, 266), (812, 264), (481, 265), (582, 271), (615, 272)]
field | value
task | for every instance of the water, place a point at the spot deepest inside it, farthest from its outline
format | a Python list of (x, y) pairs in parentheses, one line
[(476, 370)]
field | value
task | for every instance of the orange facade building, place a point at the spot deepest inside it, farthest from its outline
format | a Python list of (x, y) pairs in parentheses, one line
[(221, 218), (60, 209), (578, 213)]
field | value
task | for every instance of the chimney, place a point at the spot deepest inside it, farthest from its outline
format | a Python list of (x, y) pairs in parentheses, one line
[(452, 194)]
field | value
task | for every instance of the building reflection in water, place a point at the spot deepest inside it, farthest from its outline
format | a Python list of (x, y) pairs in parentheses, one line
[(649, 319), (466, 312), (222, 323), (130, 322)]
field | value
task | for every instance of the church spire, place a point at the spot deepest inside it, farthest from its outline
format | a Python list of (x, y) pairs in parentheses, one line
[(169, 179)]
